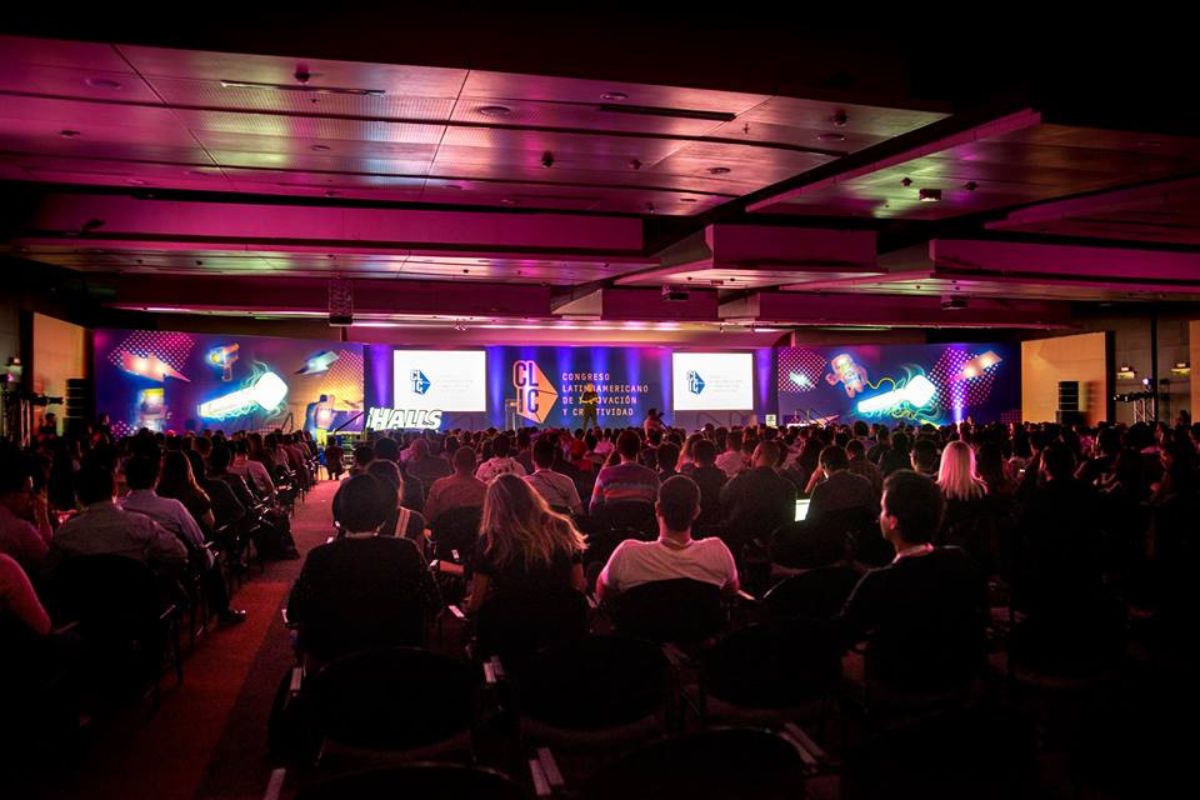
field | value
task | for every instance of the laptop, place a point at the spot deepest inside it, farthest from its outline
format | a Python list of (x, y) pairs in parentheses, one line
[(802, 508)]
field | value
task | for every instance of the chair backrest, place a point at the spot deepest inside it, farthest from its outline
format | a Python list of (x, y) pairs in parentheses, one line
[(514, 625), (602, 543), (747, 763), (775, 665), (628, 515), (111, 596), (456, 530), (680, 610), (815, 594), (594, 683), (391, 699), (448, 781)]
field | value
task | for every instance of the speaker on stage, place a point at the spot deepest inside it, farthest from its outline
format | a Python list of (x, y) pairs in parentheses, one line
[(1069, 411), (78, 405)]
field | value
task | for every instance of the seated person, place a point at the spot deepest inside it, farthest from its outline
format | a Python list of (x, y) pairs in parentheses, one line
[(18, 601), (558, 490), (524, 547), (675, 554), (25, 532), (460, 490), (104, 528), (924, 615), (424, 467), (628, 481), (401, 521), (361, 590), (757, 501), (841, 490)]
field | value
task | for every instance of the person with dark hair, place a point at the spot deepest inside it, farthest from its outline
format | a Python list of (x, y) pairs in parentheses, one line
[(178, 480), (668, 458), (896, 457), (218, 467), (558, 490), (861, 466), (253, 472), (359, 590), (841, 490), (628, 481), (709, 478), (25, 532), (104, 528), (757, 501), (925, 457), (424, 467), (402, 521), (732, 462), (227, 509), (675, 554), (501, 462), (923, 616), (460, 490)]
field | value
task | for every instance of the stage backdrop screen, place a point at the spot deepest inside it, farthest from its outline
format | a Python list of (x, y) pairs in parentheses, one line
[(445, 380), (166, 380), (713, 381), (939, 384)]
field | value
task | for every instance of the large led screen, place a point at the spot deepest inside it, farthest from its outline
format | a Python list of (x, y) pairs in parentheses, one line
[(442, 380), (713, 381)]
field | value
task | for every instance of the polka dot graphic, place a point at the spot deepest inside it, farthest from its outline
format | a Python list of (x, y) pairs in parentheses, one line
[(955, 389), (800, 370), (344, 379)]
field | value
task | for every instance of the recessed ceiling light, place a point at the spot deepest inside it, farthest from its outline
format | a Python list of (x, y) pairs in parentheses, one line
[(321, 148), (831, 137), (494, 111), (508, 201), (687, 199), (103, 83), (67, 133), (719, 170), (930, 195), (136, 181), (614, 96)]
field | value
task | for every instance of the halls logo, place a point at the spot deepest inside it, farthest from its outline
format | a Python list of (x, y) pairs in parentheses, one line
[(420, 383), (695, 382), (535, 393)]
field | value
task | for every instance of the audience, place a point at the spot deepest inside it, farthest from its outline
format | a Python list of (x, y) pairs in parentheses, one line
[(559, 491), (25, 532), (501, 462), (459, 490), (841, 490), (627, 481)]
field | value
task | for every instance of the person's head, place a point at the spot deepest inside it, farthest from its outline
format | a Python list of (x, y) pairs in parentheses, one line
[(362, 504), (766, 454), (388, 474), (901, 442), (678, 504), (198, 468), (925, 456), (218, 462), (705, 453), (855, 450), (141, 472), (1057, 462), (910, 511), (420, 449), (464, 461), (501, 446), (203, 445), (860, 429), (176, 478), (544, 452), (629, 445), (16, 482), (956, 474), (668, 456), (591, 387), (833, 459), (1109, 442), (519, 527), (241, 449), (385, 449), (94, 483), (734, 441)]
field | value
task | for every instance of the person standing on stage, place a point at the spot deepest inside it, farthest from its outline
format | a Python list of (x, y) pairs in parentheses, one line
[(590, 402)]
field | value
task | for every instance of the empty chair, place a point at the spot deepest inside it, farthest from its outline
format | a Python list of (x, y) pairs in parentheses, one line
[(392, 700), (445, 781), (682, 611), (514, 625), (746, 763), (815, 594), (594, 683)]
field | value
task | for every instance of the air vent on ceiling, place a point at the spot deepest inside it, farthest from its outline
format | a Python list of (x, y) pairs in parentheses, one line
[(292, 87), (677, 113)]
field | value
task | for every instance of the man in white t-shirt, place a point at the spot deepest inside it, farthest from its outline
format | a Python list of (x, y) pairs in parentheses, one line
[(501, 463), (675, 554)]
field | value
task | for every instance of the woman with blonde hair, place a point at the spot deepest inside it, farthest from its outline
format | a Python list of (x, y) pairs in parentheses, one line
[(524, 547), (956, 477), (969, 508)]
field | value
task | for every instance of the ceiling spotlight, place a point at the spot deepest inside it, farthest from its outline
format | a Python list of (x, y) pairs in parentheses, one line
[(719, 170), (330, 193), (831, 137), (971, 186), (494, 111), (687, 200), (839, 118), (634, 164), (930, 195), (67, 133), (547, 159), (508, 201), (103, 83), (614, 96), (460, 327), (650, 208), (321, 148), (906, 182)]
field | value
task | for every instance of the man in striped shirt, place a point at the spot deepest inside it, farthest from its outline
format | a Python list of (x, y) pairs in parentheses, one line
[(628, 481)]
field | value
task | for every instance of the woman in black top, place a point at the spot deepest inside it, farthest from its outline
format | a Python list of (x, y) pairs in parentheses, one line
[(524, 547)]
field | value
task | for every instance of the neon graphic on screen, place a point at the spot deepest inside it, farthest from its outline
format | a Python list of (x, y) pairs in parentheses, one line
[(223, 358), (318, 364), (149, 366), (851, 375), (264, 391)]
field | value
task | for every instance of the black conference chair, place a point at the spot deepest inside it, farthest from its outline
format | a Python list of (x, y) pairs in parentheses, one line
[(746, 763), (816, 594), (514, 625), (681, 611), (446, 781), (455, 532), (626, 516), (390, 704)]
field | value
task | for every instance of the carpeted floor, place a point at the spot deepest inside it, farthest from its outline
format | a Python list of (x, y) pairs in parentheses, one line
[(208, 740)]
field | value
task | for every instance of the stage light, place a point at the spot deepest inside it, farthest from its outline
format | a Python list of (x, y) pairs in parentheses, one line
[(978, 365), (319, 363), (917, 393), (266, 392)]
